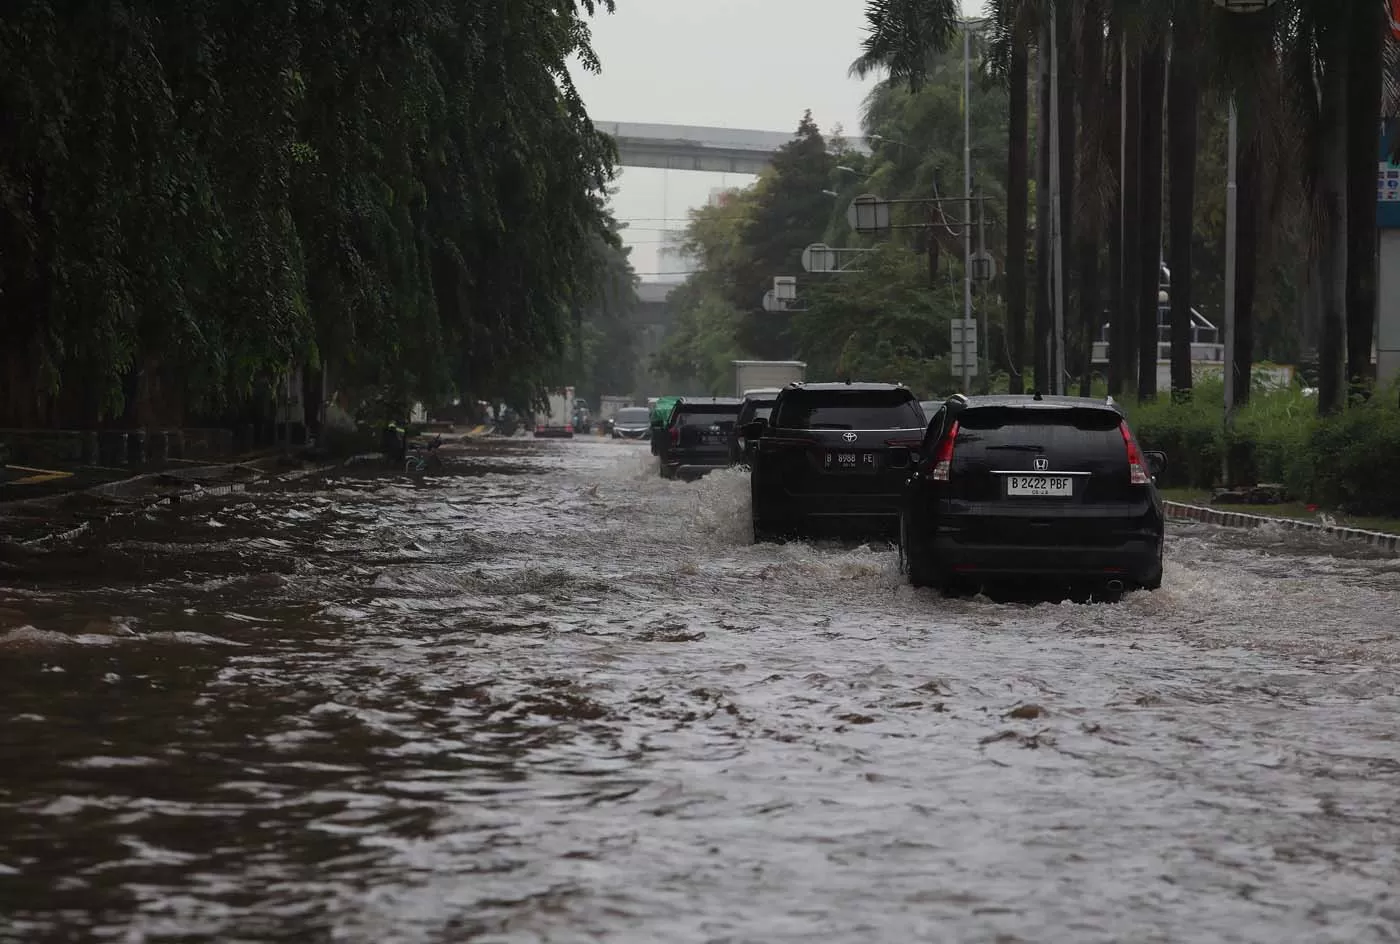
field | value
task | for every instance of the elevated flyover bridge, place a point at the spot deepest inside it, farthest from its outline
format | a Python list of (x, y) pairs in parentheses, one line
[(690, 148), (698, 148)]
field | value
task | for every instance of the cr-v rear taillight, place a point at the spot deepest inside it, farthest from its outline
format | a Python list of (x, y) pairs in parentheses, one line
[(1137, 467), (675, 435), (943, 460)]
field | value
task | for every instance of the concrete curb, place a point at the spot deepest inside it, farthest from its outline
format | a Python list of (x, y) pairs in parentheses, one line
[(1239, 519)]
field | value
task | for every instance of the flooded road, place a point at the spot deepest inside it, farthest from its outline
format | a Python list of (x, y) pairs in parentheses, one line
[(552, 697)]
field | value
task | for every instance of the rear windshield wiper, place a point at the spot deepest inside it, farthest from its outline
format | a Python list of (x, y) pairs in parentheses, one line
[(829, 426), (1019, 447)]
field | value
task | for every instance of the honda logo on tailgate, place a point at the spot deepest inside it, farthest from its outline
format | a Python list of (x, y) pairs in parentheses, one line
[(849, 437), (1041, 463)]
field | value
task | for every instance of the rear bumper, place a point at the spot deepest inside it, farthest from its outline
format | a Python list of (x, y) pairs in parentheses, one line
[(1136, 559), (835, 515)]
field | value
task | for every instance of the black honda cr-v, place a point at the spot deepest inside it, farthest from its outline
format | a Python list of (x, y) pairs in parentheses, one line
[(833, 456), (1014, 487)]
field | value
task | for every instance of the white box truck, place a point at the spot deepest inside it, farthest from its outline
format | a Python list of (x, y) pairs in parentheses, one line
[(750, 375), (559, 421)]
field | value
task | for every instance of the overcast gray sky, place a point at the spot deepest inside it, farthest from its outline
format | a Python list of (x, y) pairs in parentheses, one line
[(753, 64)]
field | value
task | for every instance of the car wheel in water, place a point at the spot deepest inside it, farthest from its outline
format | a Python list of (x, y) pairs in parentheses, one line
[(914, 558)]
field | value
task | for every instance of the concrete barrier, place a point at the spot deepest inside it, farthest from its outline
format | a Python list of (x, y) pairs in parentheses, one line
[(1239, 519)]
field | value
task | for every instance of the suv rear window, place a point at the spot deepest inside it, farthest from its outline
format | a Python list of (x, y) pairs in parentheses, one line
[(706, 415), (1082, 430), (863, 409), (756, 409)]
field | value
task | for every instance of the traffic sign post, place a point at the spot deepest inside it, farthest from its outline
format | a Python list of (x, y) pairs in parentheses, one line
[(963, 338), (821, 258)]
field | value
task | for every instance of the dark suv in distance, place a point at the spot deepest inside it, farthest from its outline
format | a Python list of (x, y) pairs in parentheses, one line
[(833, 456), (758, 405), (697, 439), (1028, 487)]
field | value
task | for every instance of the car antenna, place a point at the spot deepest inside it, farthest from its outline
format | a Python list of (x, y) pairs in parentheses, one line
[(1037, 396)]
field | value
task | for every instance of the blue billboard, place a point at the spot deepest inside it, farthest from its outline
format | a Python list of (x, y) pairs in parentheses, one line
[(1388, 177)]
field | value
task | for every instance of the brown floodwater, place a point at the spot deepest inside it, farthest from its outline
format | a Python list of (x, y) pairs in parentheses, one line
[(548, 696)]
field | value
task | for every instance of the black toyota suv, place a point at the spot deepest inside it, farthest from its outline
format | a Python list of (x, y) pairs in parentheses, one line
[(697, 439), (833, 456), (1007, 488), (758, 405)]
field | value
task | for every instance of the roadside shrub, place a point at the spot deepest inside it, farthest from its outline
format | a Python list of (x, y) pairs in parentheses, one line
[(1189, 432), (1345, 461), (1275, 429), (1354, 455)]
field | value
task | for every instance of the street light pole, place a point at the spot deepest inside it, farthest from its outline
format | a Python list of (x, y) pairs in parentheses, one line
[(1231, 203), (967, 194)]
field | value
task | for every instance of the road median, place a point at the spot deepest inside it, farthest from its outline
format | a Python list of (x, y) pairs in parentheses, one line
[(1239, 519)]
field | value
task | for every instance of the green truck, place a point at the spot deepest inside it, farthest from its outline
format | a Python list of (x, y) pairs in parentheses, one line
[(661, 409)]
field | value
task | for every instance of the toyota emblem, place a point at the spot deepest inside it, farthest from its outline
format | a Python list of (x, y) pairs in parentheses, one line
[(1041, 463), (849, 437)]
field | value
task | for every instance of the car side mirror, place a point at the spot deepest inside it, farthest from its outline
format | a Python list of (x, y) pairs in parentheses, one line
[(754, 429), (1156, 463)]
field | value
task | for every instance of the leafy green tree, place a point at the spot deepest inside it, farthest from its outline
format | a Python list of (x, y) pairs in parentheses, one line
[(197, 198)]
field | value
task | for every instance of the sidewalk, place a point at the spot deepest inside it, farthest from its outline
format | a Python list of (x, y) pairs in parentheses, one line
[(42, 505)]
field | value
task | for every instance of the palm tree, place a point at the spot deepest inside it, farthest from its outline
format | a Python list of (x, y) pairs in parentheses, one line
[(1017, 184), (1095, 177), (903, 35), (1183, 96), (1152, 78), (1365, 48)]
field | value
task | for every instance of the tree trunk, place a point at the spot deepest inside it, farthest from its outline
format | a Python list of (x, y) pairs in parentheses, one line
[(1092, 120), (1068, 86), (1017, 200), (1363, 119), (1150, 249), (1332, 193), (1043, 315), (1183, 95), (1131, 184), (1113, 146)]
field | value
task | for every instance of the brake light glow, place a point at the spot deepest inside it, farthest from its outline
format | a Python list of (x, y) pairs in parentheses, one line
[(1137, 466), (675, 435), (539, 428), (943, 461), (569, 428)]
